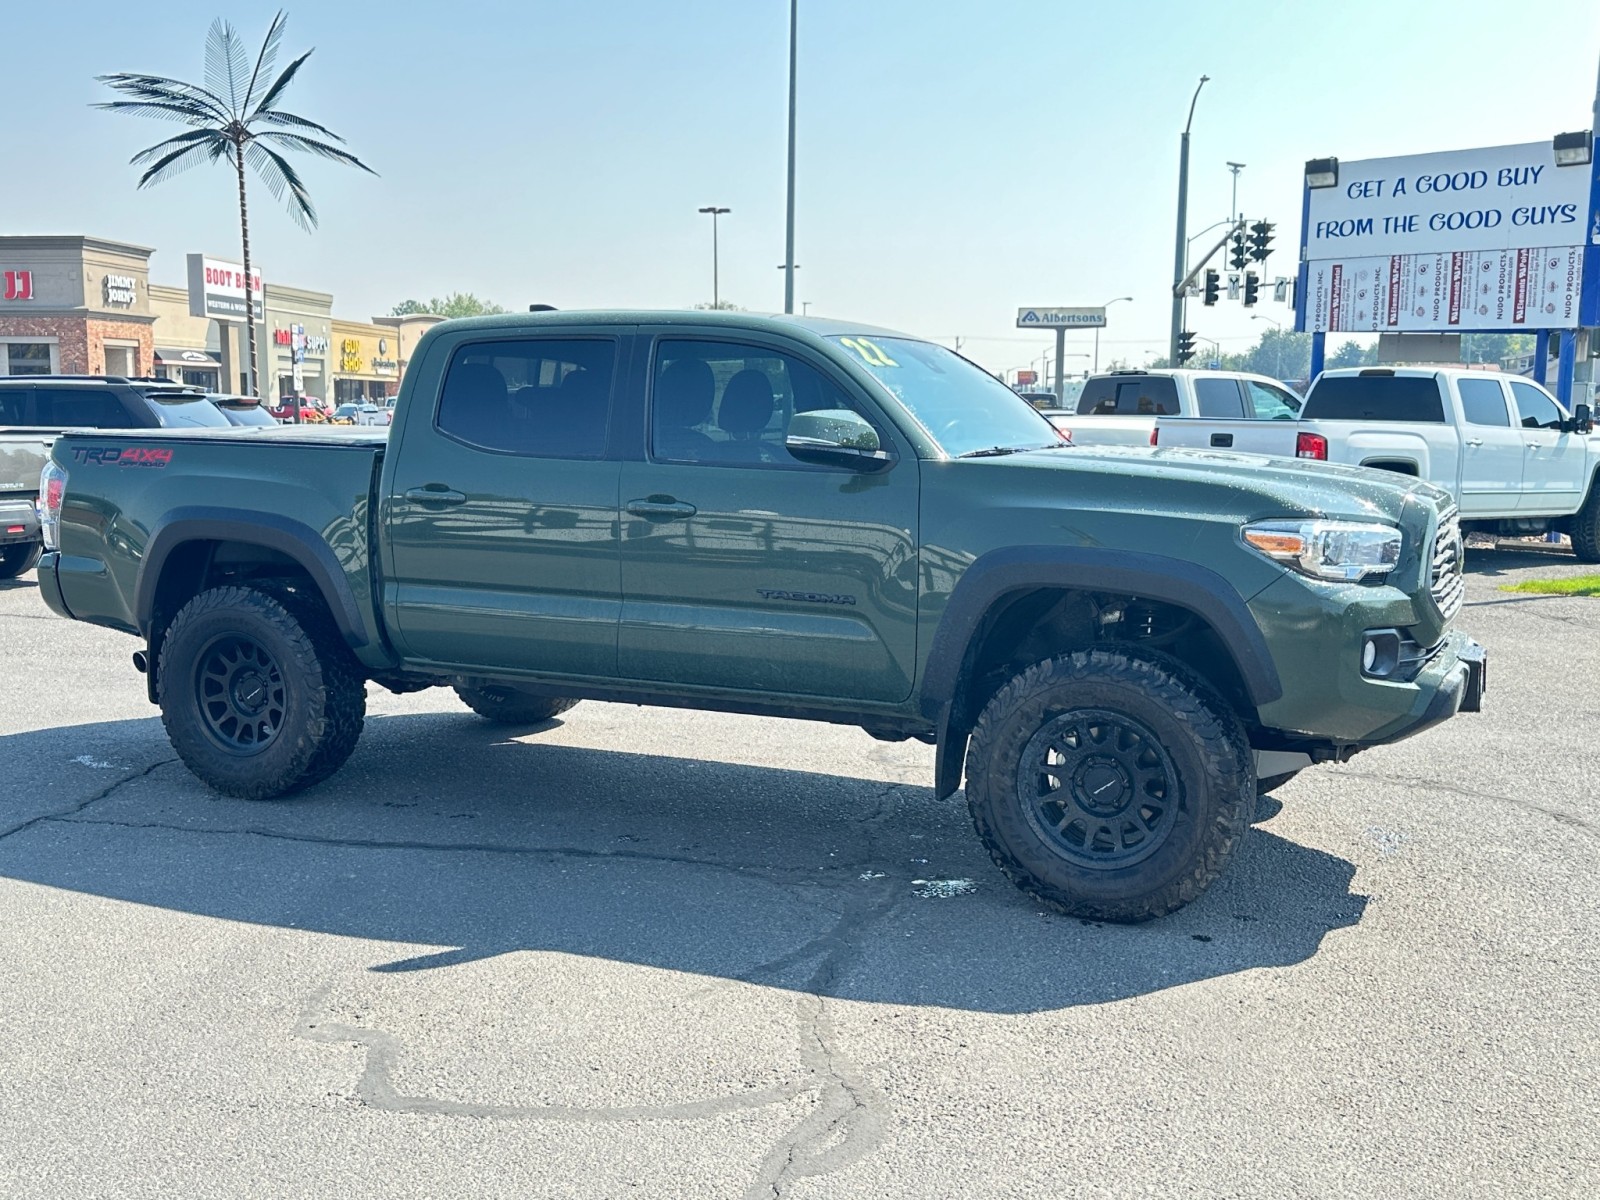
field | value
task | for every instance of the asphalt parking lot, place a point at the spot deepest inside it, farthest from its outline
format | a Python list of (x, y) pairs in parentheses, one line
[(651, 953)]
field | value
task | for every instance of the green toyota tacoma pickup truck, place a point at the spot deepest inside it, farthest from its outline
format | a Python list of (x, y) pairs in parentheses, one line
[(798, 518)]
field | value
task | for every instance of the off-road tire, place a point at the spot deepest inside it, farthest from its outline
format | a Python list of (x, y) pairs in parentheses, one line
[(324, 699), (1210, 782), (19, 558), (507, 706), (1586, 527), (1272, 783)]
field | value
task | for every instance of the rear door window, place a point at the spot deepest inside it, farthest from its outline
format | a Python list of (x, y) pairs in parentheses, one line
[(1409, 398), (81, 408), (14, 405), (1218, 399), (184, 410), (1483, 402), (542, 397)]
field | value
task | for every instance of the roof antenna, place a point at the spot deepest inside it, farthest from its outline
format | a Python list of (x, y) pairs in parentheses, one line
[(541, 308)]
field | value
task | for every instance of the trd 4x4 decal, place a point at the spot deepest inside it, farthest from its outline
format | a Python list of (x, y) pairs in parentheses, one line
[(122, 456)]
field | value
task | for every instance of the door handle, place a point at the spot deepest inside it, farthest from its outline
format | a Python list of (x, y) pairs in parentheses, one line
[(436, 493), (660, 508), (1474, 442), (1222, 439)]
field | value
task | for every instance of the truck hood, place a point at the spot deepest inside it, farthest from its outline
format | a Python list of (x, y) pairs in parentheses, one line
[(1248, 485)]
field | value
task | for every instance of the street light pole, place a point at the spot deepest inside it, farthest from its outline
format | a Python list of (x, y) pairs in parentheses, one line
[(1107, 304), (1183, 220), (716, 297), (788, 253)]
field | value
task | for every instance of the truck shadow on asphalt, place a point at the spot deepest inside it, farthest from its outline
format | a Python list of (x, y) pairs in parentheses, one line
[(1494, 561), (455, 841)]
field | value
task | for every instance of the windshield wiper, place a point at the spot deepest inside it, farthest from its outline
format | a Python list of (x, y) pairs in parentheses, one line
[(993, 452)]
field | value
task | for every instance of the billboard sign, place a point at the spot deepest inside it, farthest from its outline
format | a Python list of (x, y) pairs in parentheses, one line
[(1447, 293), (216, 289), (1487, 239), (1040, 317)]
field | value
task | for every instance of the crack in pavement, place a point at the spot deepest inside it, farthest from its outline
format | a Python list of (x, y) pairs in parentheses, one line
[(851, 1113), (67, 814), (375, 1088), (826, 875), (1566, 819)]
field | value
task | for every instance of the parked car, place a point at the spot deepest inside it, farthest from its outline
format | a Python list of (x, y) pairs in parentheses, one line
[(35, 408), (243, 410), (801, 518), (1121, 408), (310, 414), (1514, 459)]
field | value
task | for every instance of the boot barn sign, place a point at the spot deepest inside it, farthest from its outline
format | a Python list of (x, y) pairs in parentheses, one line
[(216, 289), (1485, 240)]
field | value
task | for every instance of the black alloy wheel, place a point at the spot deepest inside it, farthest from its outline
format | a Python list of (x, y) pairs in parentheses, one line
[(240, 693), (1100, 788)]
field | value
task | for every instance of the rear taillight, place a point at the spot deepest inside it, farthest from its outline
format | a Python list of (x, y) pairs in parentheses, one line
[(1311, 445), (1155, 435), (52, 490)]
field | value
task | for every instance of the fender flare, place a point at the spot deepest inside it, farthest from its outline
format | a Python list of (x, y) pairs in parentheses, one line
[(1023, 568), (291, 538)]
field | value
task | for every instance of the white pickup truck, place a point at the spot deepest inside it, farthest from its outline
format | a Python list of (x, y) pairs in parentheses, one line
[(1122, 408), (1515, 460)]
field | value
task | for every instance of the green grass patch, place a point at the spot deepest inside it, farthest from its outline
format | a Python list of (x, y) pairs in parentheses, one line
[(1578, 585)]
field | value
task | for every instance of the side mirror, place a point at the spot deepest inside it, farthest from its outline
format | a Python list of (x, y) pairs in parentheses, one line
[(835, 437), (1582, 419)]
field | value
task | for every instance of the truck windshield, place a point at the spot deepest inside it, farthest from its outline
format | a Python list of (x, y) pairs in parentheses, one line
[(1411, 398), (961, 406), (175, 410)]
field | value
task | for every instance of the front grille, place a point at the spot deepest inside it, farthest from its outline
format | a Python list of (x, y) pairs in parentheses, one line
[(1447, 584)]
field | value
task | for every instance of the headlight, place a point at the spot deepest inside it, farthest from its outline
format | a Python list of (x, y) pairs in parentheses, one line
[(1338, 550)]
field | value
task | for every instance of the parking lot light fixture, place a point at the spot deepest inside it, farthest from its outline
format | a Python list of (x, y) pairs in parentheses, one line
[(1574, 149), (1322, 173), (716, 298)]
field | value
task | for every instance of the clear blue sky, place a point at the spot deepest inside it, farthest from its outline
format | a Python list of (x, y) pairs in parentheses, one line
[(955, 159)]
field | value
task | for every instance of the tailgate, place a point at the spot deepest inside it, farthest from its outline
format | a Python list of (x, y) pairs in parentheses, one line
[(1242, 435)]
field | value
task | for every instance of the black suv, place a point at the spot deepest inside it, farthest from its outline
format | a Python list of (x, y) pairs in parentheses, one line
[(103, 402)]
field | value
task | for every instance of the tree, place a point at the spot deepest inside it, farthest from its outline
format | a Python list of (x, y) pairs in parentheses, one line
[(1352, 354), (235, 116), (456, 304)]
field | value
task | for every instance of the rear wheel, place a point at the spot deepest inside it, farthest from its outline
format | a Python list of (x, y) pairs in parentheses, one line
[(1586, 527), (1110, 786), (19, 558), (259, 694), (507, 706)]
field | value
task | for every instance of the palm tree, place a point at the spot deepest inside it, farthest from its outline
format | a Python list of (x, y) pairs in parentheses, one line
[(234, 116)]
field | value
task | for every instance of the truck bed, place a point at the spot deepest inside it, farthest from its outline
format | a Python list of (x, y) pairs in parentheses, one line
[(125, 511)]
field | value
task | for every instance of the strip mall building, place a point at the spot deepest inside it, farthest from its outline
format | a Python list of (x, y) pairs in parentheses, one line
[(81, 305)]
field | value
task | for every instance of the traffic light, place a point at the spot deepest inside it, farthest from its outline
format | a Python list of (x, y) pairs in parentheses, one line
[(1241, 252), (1213, 286), (1252, 288), (1260, 240), (1185, 347)]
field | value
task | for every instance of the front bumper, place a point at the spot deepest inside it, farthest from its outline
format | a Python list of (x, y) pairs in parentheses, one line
[(19, 522)]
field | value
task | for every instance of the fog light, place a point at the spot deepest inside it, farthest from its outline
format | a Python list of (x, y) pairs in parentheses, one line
[(1380, 652)]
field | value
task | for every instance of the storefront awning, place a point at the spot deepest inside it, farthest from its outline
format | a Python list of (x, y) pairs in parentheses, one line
[(185, 358)]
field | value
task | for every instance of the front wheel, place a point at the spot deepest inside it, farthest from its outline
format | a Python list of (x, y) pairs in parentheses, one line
[(259, 694), (1110, 786), (1586, 527), (508, 706), (19, 558)]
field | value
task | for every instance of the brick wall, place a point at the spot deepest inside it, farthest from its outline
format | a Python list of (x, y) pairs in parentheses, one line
[(141, 331), (71, 334)]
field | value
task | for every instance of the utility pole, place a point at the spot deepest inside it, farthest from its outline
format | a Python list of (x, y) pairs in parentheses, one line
[(716, 298), (1233, 207), (1183, 222), (788, 253)]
